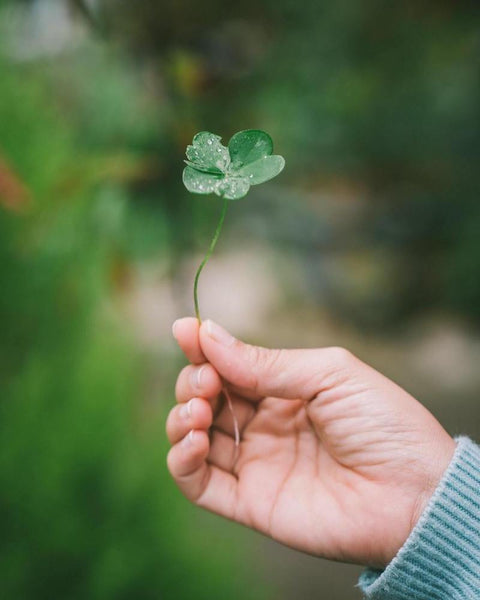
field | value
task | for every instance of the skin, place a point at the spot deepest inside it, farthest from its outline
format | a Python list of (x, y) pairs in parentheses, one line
[(335, 459)]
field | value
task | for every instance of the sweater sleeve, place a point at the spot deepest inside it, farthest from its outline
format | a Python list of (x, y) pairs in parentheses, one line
[(441, 558)]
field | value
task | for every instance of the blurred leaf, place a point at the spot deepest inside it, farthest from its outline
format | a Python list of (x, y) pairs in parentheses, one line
[(13, 193)]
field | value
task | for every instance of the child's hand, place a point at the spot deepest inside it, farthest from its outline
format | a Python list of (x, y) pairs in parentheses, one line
[(335, 459)]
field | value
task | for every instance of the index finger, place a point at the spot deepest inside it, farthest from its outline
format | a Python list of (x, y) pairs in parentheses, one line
[(185, 331)]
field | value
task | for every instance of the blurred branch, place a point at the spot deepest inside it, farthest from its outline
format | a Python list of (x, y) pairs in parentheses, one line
[(93, 19), (123, 169), (13, 193)]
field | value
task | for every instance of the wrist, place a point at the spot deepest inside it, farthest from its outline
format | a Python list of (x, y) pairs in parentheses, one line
[(440, 558), (435, 464)]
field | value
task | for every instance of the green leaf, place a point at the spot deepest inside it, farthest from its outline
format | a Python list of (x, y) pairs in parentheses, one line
[(262, 170), (229, 172), (248, 146), (198, 182), (233, 188), (207, 153), (211, 170)]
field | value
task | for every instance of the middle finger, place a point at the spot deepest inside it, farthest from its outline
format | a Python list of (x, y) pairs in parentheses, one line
[(197, 380)]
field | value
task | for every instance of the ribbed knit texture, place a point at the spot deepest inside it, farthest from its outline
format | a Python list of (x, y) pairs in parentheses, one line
[(441, 558)]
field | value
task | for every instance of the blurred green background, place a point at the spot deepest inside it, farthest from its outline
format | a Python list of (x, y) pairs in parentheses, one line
[(369, 239)]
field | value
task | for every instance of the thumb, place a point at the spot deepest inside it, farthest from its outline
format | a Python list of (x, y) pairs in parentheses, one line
[(291, 374)]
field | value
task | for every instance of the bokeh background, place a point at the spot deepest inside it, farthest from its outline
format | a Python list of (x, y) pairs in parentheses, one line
[(369, 239)]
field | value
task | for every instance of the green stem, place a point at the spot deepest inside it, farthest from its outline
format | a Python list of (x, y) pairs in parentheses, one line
[(207, 256)]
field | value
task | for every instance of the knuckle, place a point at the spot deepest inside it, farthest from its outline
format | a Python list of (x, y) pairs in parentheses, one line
[(184, 373), (340, 358), (182, 376), (172, 423), (266, 359), (265, 362), (168, 424), (274, 358), (251, 359), (171, 462), (212, 377), (182, 385), (252, 354)]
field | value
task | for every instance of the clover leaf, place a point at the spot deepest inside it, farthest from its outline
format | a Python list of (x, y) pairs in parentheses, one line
[(229, 172), (207, 154)]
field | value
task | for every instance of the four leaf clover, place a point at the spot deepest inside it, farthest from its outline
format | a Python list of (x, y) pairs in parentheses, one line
[(229, 172)]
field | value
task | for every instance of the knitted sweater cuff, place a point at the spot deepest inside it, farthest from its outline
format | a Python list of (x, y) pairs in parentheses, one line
[(441, 557)]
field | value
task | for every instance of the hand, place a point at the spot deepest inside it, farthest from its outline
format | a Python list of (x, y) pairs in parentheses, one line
[(335, 459)]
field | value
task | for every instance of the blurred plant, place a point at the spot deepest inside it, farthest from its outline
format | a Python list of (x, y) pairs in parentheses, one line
[(87, 509), (383, 105)]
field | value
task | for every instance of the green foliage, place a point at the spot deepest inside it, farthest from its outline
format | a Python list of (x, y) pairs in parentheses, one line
[(376, 105), (87, 508)]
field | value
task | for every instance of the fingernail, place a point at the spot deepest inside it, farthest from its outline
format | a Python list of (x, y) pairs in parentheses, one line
[(188, 439), (186, 410), (196, 377), (219, 334), (173, 328)]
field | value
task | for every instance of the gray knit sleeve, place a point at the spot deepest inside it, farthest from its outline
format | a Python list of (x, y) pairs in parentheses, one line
[(441, 558)]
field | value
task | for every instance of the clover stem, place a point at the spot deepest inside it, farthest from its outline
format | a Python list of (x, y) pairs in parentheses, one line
[(197, 313), (207, 256)]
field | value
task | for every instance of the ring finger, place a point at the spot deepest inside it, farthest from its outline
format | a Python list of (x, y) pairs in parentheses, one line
[(194, 414)]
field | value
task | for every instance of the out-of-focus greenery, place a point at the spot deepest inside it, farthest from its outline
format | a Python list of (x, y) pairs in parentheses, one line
[(370, 104), (87, 509), (375, 108)]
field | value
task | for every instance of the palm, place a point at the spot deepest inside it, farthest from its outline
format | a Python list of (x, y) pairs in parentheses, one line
[(277, 462), (293, 489)]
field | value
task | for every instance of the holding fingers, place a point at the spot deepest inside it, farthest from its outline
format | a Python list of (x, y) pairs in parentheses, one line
[(191, 415), (197, 380), (204, 483), (202, 403), (201, 458)]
